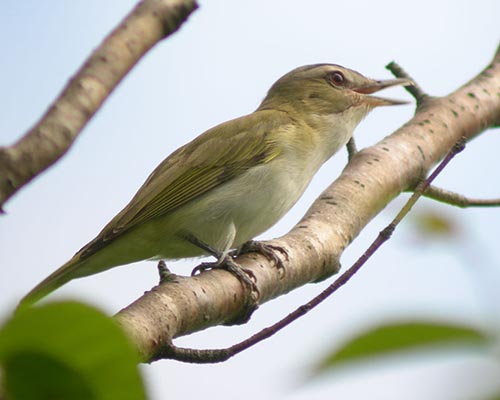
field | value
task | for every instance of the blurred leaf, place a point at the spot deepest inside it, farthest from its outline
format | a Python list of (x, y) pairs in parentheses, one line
[(390, 339), (67, 351), (431, 223), (37, 376)]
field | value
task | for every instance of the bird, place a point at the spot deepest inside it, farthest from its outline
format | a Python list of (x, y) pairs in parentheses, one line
[(235, 180)]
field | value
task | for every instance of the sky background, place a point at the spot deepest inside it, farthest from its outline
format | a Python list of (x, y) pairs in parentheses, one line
[(217, 67)]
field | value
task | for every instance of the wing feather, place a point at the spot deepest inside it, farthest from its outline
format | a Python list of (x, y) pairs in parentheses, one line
[(210, 160)]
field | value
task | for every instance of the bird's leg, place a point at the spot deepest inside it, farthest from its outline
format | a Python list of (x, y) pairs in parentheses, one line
[(225, 261), (209, 249), (267, 250)]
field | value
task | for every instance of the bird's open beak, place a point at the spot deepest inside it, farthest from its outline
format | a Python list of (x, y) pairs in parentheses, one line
[(374, 86)]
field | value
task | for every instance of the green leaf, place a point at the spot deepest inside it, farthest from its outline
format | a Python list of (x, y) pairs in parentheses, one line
[(37, 376), (67, 351), (392, 338)]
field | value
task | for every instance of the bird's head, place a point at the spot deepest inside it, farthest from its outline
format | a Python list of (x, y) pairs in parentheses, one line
[(328, 89)]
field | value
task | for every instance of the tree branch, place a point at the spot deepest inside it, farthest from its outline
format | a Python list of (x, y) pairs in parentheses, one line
[(219, 355), (52, 136), (455, 199), (374, 177)]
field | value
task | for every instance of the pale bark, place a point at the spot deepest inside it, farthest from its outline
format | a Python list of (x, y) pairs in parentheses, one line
[(52, 136), (373, 177)]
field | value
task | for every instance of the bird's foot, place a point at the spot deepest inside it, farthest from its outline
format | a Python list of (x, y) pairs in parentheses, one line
[(267, 250), (245, 276)]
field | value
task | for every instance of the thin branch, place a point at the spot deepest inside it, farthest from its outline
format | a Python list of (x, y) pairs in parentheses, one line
[(148, 23), (415, 90), (351, 148), (220, 355), (164, 273), (456, 199)]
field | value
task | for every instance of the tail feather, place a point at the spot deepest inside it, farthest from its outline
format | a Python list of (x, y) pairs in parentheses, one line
[(51, 283)]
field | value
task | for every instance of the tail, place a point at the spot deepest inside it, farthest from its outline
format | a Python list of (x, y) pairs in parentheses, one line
[(55, 280)]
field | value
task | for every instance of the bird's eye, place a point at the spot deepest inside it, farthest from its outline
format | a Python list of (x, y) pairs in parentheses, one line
[(337, 78)]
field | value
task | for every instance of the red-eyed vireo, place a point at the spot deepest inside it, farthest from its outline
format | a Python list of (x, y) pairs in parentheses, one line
[(237, 179)]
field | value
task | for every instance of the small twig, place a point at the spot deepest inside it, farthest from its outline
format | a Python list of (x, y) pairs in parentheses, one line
[(351, 148), (455, 199), (415, 90), (220, 355), (164, 273)]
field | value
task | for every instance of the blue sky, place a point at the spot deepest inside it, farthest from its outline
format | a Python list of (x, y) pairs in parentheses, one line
[(217, 67)]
